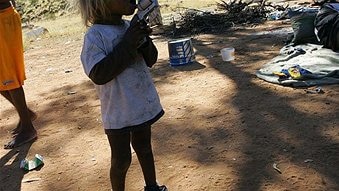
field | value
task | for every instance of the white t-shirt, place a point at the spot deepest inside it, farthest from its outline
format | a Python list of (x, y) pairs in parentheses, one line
[(129, 99)]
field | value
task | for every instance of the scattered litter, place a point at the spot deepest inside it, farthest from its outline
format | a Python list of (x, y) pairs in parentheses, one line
[(71, 92), (308, 160), (206, 43), (275, 166), (32, 164), (276, 15), (49, 69), (282, 31), (68, 71), (317, 90), (28, 180)]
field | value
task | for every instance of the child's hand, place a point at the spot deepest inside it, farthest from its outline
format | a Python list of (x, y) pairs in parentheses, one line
[(136, 33), (146, 27), (149, 52)]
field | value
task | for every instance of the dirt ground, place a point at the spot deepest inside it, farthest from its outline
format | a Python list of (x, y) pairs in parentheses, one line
[(223, 129)]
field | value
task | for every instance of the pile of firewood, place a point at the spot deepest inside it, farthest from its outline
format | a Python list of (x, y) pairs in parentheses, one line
[(233, 13)]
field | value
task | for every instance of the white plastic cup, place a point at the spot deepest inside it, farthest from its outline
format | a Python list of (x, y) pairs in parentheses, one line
[(227, 54)]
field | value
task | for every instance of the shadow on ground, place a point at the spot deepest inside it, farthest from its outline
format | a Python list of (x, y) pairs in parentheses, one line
[(263, 127)]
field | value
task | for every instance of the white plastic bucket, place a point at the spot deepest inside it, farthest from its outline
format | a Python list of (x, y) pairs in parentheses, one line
[(181, 52), (227, 54)]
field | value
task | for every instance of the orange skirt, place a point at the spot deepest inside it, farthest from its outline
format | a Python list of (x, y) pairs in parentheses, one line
[(12, 69)]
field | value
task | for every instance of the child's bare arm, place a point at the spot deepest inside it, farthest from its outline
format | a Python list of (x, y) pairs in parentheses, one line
[(123, 55), (149, 52), (113, 64)]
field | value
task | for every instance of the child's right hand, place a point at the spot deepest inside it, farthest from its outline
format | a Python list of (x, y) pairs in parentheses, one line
[(135, 33)]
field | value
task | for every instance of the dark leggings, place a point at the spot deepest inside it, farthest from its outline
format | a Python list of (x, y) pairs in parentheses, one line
[(121, 156)]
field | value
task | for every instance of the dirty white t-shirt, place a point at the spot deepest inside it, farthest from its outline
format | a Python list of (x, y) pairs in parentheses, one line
[(129, 99)]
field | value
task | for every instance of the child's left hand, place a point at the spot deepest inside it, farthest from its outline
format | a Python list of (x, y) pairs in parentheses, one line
[(146, 27), (149, 52)]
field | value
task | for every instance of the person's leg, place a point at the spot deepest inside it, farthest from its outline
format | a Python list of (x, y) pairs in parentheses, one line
[(27, 132), (141, 142), (32, 114), (6, 95), (121, 158)]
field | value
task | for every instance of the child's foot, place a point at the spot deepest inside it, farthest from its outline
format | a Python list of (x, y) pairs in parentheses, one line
[(22, 138), (163, 188), (16, 130), (156, 188), (33, 116)]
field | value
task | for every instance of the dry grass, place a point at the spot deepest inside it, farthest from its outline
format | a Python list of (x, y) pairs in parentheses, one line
[(168, 5), (72, 25), (65, 26)]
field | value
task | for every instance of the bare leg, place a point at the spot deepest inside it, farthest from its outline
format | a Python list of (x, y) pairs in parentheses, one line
[(121, 158), (17, 129), (32, 114), (27, 132), (141, 142)]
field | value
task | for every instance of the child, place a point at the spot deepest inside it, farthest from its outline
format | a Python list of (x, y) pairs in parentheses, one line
[(114, 60), (12, 73)]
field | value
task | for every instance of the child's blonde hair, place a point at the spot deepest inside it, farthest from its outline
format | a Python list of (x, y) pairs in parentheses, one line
[(93, 10)]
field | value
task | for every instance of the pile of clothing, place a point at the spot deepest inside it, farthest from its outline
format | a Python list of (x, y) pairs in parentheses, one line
[(316, 25), (327, 26), (311, 58)]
